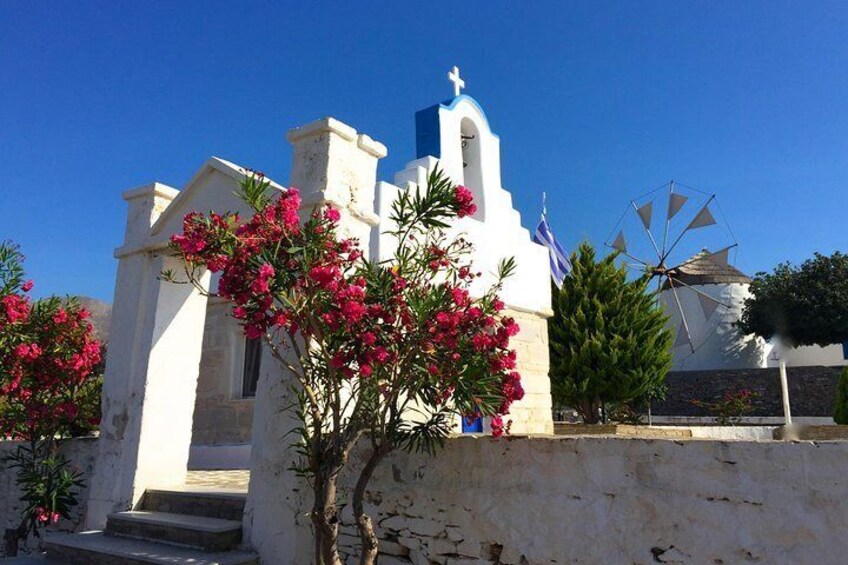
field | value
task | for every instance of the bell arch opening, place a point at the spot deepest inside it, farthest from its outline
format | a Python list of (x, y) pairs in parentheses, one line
[(472, 163)]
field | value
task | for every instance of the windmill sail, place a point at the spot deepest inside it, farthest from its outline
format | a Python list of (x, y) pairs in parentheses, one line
[(682, 336), (645, 213), (703, 219), (620, 244), (720, 257), (675, 203), (708, 305)]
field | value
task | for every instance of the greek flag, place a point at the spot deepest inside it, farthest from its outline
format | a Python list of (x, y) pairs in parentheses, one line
[(560, 265)]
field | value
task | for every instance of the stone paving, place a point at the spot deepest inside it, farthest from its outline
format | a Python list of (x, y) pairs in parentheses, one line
[(224, 480)]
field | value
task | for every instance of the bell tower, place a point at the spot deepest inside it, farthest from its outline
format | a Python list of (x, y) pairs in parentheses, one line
[(455, 136), (456, 132)]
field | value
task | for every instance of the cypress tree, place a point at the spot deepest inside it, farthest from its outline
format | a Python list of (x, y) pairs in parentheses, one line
[(609, 340)]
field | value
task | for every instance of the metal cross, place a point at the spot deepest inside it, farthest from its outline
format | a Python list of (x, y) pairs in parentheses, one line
[(458, 83)]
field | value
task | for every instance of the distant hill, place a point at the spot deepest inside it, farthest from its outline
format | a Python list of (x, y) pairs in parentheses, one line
[(101, 313)]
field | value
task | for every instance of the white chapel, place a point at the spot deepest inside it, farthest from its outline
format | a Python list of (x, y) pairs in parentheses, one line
[(182, 381)]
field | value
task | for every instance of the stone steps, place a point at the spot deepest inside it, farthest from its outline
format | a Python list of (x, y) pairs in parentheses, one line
[(211, 503), (179, 526), (95, 548), (200, 532)]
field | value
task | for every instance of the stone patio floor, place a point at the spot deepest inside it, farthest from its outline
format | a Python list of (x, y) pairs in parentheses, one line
[(224, 480)]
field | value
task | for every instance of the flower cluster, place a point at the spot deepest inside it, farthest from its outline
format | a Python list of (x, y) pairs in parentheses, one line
[(45, 516), (48, 355), (731, 408), (464, 201), (409, 326)]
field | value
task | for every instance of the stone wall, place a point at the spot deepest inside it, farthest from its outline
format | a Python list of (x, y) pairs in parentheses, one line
[(221, 415), (604, 500), (812, 391), (80, 452), (533, 413)]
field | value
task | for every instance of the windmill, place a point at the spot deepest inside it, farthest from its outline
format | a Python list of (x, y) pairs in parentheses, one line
[(675, 245)]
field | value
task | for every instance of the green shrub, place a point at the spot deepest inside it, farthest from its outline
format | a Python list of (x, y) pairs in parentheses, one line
[(609, 342)]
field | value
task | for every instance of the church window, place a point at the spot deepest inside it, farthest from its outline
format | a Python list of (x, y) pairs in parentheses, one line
[(252, 362)]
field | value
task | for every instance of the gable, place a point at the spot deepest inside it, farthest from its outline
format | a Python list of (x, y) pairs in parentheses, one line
[(213, 188)]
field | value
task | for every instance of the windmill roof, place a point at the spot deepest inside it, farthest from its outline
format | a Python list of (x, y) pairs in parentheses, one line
[(703, 268)]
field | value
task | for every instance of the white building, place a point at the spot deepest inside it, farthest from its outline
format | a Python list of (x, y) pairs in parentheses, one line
[(171, 349)]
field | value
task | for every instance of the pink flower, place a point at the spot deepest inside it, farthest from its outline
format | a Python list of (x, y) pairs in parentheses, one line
[(353, 311), (481, 341), (60, 317), (266, 271), (69, 410), (497, 426), (27, 286), (292, 198), (280, 319), (28, 351), (338, 360), (332, 214), (253, 332), (381, 354), (464, 202), (260, 286), (460, 297), (216, 263), (323, 276), (17, 308), (511, 327)]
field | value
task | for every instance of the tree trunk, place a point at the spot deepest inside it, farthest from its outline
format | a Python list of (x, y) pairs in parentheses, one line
[(325, 521), (588, 409), (370, 543)]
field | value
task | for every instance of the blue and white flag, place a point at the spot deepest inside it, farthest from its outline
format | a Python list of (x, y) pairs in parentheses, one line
[(560, 265)]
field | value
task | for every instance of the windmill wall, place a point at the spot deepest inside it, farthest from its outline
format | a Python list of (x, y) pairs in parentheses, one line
[(717, 343)]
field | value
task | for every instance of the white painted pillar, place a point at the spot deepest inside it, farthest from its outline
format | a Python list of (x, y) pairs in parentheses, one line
[(784, 390), (332, 163), (153, 359)]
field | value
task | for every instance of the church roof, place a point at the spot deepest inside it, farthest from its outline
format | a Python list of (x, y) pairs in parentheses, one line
[(707, 268), (427, 124)]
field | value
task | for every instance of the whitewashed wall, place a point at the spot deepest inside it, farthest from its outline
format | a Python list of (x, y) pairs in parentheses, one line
[(718, 344), (830, 356), (606, 500)]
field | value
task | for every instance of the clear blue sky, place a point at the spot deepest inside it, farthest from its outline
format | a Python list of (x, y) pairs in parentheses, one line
[(595, 103)]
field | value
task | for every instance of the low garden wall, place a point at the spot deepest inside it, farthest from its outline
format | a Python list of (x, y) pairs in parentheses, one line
[(81, 453), (528, 501), (611, 500)]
